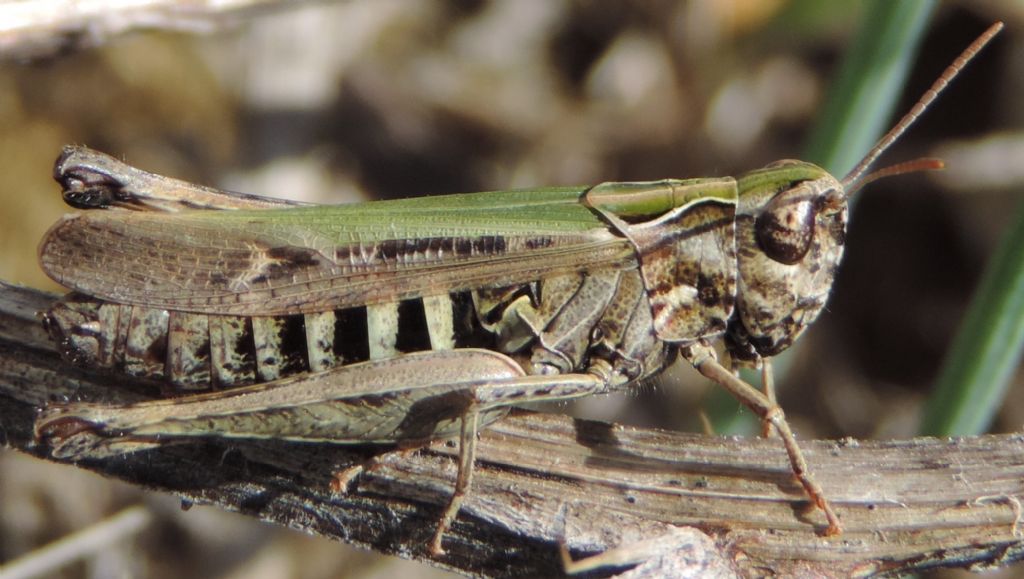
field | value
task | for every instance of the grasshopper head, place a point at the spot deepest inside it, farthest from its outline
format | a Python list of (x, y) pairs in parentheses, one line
[(790, 230)]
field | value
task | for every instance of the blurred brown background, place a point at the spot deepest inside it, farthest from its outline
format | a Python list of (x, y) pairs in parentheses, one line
[(335, 102)]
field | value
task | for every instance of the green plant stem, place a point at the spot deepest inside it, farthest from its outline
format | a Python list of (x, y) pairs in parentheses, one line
[(987, 349), (862, 98)]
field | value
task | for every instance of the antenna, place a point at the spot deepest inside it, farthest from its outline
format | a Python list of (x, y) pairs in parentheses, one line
[(855, 179)]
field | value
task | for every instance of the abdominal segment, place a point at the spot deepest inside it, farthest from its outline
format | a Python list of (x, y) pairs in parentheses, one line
[(194, 352)]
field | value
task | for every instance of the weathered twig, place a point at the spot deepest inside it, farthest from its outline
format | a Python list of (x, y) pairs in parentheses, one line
[(905, 505)]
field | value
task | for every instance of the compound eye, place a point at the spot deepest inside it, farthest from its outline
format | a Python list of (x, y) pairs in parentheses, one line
[(785, 229)]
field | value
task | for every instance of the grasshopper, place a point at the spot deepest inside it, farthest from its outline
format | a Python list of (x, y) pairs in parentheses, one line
[(418, 319)]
